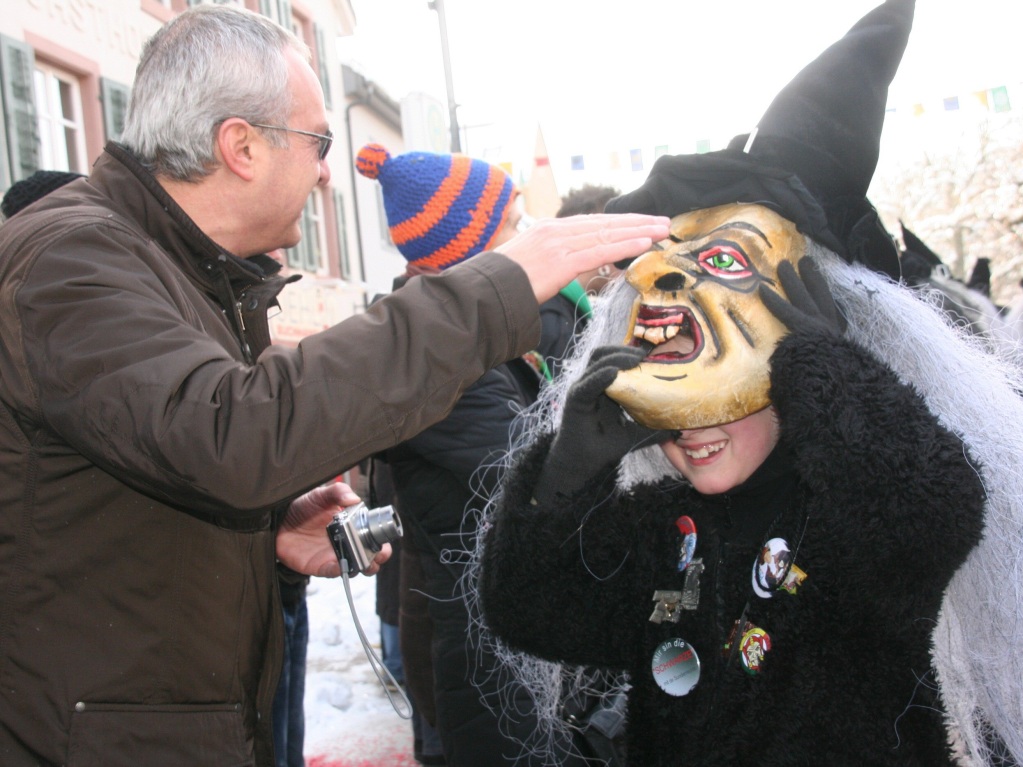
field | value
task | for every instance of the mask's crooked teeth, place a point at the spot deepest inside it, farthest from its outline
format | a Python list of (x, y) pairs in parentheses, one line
[(656, 335), (653, 335)]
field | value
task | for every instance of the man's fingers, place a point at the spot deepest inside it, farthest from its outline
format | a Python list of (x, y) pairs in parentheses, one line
[(329, 570), (378, 559), (553, 252), (610, 252), (605, 227)]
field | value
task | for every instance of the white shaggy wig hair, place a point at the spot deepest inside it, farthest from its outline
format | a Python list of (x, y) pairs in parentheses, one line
[(974, 392)]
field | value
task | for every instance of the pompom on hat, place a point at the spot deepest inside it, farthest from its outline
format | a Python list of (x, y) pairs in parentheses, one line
[(814, 152), (441, 208)]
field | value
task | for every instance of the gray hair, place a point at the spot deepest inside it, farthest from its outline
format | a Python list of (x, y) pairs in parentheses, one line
[(208, 64)]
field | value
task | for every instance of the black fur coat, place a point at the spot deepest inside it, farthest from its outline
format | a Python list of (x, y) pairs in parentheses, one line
[(879, 506)]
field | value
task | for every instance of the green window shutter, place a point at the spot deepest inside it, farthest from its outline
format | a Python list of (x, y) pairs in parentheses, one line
[(343, 256), (5, 157), (266, 8), (17, 60), (114, 97), (295, 256), (323, 65), (284, 13), (302, 255), (310, 238)]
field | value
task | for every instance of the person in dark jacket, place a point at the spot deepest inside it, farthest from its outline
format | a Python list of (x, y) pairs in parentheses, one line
[(788, 508), (157, 455), (438, 473)]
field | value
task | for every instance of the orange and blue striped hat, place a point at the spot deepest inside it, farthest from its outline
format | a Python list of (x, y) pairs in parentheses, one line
[(441, 208)]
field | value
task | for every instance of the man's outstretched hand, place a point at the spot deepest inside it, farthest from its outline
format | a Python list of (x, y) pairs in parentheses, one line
[(555, 251)]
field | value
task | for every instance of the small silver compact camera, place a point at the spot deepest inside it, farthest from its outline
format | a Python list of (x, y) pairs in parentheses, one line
[(358, 534)]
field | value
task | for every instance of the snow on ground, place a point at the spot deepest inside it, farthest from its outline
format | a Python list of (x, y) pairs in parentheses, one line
[(349, 720)]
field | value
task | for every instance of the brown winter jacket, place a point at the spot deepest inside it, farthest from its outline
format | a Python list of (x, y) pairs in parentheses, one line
[(144, 463)]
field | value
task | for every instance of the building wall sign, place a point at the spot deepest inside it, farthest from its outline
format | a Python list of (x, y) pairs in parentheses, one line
[(106, 22)]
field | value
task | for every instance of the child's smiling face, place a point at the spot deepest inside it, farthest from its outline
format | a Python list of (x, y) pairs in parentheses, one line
[(717, 458)]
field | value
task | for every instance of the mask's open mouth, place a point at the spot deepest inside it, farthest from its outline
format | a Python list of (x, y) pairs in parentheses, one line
[(672, 330)]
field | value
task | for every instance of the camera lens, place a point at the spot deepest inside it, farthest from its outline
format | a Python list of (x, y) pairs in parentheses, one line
[(379, 526)]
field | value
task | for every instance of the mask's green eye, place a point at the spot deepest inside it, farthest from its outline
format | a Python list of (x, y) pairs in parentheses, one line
[(724, 261)]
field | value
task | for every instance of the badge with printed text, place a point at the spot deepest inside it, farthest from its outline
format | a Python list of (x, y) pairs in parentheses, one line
[(676, 667)]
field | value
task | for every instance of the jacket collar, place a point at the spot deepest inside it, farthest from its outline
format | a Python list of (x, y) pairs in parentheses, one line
[(127, 184)]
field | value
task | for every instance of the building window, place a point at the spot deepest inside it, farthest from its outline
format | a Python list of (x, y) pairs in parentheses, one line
[(385, 230), (344, 259), (114, 97), (278, 10), (19, 140), (323, 64), (58, 103), (236, 3), (308, 254)]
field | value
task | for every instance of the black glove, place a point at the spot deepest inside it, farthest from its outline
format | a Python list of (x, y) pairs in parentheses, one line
[(595, 432), (810, 305)]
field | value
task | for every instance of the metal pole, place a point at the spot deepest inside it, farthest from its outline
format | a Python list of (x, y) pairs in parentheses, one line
[(456, 141), (359, 101)]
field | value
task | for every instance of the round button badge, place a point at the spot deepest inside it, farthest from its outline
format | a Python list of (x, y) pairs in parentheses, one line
[(752, 649), (676, 667), (771, 567)]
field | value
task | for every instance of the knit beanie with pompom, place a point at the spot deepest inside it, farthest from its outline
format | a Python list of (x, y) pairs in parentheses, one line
[(441, 208)]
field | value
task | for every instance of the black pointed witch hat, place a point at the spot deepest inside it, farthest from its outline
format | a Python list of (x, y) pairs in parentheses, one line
[(918, 260), (814, 152)]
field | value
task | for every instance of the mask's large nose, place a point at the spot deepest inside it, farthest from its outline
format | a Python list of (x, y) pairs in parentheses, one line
[(671, 282)]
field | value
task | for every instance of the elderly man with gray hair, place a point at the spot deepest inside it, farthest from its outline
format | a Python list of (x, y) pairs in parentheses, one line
[(157, 455)]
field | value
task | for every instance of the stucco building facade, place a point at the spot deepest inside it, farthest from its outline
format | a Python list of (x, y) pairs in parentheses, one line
[(66, 70)]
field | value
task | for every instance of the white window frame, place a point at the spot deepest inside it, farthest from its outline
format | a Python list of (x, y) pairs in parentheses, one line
[(310, 254), (61, 135), (344, 257), (193, 3)]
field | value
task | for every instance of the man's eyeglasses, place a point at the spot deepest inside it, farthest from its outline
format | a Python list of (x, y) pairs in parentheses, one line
[(325, 139)]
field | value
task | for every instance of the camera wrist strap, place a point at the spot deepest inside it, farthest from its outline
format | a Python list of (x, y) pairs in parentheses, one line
[(405, 712)]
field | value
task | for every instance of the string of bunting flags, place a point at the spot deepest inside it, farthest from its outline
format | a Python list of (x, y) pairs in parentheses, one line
[(992, 100)]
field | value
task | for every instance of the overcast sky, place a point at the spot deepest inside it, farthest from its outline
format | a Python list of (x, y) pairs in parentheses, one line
[(602, 76)]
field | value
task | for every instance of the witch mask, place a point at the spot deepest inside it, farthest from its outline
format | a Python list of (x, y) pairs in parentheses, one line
[(699, 308)]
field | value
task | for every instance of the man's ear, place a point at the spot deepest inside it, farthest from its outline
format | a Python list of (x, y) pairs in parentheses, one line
[(239, 144)]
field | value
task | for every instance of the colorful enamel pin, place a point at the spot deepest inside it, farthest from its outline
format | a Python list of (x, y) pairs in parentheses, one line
[(687, 527), (775, 570), (754, 643)]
